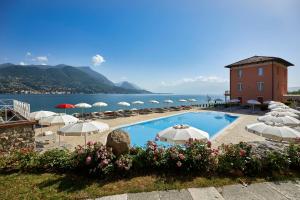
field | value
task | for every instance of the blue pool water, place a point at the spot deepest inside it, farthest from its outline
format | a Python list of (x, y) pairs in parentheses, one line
[(211, 122)]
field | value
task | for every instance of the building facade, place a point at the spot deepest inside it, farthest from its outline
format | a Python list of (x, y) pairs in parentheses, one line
[(259, 78)]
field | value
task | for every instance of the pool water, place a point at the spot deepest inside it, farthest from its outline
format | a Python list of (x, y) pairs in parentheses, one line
[(211, 122)]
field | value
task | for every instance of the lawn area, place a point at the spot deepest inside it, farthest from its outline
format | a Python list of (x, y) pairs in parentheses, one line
[(64, 186), (56, 186)]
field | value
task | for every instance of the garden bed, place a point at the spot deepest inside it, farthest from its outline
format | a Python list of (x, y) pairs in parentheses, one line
[(95, 171)]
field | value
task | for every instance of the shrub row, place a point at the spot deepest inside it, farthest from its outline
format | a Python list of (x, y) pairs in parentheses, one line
[(194, 157)]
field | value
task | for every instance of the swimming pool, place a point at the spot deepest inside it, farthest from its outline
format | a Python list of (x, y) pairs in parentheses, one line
[(211, 122)]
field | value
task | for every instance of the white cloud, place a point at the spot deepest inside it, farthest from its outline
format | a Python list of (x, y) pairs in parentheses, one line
[(194, 85), (41, 59), (97, 60), (28, 54), (204, 79), (22, 63)]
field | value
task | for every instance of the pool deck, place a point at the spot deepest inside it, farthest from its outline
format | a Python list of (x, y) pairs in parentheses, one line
[(233, 133)]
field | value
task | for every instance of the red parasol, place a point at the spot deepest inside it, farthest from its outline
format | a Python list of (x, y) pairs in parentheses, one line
[(65, 106)]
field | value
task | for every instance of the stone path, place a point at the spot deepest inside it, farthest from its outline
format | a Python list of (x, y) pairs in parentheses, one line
[(259, 191)]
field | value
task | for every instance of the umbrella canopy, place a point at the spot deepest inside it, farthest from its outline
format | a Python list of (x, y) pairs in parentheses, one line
[(192, 100), (286, 120), (234, 101), (65, 106), (83, 105), (253, 102), (180, 134), (273, 131), (123, 103), (182, 100), (273, 106), (41, 114), (168, 101), (272, 102), (108, 111), (59, 119), (134, 109), (83, 127), (138, 102), (282, 113), (100, 104), (154, 101), (286, 109)]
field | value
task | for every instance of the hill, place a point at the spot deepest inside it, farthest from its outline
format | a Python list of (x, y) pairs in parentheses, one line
[(128, 85), (56, 79)]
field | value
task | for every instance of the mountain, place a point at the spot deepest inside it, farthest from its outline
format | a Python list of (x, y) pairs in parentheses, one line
[(96, 75), (293, 89), (128, 85), (54, 79)]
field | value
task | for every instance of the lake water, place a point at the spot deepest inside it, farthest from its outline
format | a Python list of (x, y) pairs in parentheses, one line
[(48, 102)]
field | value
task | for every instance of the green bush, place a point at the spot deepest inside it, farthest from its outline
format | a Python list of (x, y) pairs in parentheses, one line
[(276, 161), (194, 157), (238, 159), (56, 160), (25, 159), (293, 152), (153, 157), (200, 156), (95, 159)]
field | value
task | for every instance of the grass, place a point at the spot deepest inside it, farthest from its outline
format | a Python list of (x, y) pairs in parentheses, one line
[(65, 186)]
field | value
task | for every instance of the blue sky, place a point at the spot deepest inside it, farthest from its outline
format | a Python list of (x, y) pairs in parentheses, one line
[(164, 46)]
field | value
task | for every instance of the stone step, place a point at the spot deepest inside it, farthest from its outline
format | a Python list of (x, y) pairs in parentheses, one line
[(259, 191)]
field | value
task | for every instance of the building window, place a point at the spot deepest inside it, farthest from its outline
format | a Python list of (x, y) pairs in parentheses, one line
[(260, 86), (240, 87), (240, 73), (260, 71)]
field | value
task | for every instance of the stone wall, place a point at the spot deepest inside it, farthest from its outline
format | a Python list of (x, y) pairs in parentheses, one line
[(16, 135)]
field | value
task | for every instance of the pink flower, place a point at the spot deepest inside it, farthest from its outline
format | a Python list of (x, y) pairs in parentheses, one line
[(208, 144), (178, 164), (90, 143), (104, 162), (88, 160), (242, 152), (181, 156)]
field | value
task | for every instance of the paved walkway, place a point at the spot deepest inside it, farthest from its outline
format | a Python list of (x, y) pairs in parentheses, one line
[(259, 191)]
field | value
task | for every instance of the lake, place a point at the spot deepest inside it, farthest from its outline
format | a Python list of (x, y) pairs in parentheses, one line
[(48, 101)]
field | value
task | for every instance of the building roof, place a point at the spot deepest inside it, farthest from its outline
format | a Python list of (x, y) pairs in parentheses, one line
[(259, 59)]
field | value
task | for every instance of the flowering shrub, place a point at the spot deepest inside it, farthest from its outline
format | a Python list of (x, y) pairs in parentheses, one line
[(153, 157), (95, 159), (25, 159), (194, 157), (276, 161), (200, 156), (238, 159), (124, 163), (175, 158)]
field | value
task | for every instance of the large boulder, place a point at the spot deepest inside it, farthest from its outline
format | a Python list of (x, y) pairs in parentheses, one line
[(119, 141)]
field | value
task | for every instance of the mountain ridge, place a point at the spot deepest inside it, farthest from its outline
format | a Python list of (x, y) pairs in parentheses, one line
[(59, 78)]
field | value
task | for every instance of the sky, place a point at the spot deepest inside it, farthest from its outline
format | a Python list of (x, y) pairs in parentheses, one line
[(178, 46)]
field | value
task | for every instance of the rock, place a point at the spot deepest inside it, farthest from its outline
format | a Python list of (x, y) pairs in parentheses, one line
[(119, 141)]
